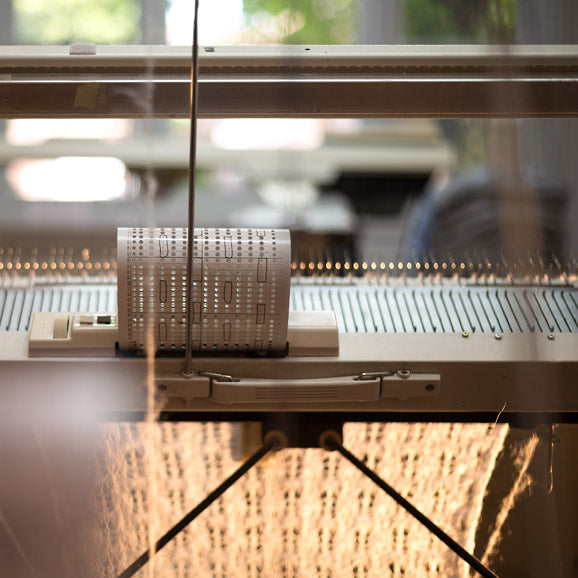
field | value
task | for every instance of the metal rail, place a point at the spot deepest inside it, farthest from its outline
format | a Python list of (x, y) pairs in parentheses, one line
[(291, 81), (357, 308)]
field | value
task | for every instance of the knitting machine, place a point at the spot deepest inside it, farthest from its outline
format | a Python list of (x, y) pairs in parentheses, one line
[(375, 338), (227, 324), (466, 338)]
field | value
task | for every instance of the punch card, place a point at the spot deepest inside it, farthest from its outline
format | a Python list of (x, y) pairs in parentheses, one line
[(240, 290)]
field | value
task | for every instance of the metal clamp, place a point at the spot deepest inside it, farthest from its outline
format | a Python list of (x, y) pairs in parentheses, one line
[(220, 377), (367, 386), (371, 375), (195, 386), (403, 383)]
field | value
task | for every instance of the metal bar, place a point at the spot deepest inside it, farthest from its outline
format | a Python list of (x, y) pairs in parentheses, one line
[(380, 97), (194, 93), (199, 509), (333, 444), (523, 420), (278, 58), (314, 82)]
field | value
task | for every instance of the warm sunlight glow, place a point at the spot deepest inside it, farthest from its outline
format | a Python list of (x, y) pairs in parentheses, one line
[(24, 131), (68, 179), (268, 134)]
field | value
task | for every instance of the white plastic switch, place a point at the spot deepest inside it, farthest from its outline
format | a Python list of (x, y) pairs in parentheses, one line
[(60, 327), (69, 334), (82, 49)]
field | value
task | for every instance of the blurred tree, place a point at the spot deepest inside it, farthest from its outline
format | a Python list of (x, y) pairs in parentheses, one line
[(66, 21), (462, 21), (305, 21), (448, 21)]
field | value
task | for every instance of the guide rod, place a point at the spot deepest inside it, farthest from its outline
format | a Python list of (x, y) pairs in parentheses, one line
[(188, 369)]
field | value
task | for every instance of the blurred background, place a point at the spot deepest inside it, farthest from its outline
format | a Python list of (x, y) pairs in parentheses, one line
[(367, 190)]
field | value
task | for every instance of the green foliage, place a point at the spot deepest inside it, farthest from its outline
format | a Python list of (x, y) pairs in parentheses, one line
[(441, 21), (66, 21), (312, 21), (448, 21)]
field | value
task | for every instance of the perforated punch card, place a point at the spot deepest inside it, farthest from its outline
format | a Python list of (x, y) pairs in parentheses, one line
[(240, 290)]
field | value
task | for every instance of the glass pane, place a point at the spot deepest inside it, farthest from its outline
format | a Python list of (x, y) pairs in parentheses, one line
[(296, 22)]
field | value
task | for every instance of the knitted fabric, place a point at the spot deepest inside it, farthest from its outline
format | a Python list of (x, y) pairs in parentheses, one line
[(298, 513)]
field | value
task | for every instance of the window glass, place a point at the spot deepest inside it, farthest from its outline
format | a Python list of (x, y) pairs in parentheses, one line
[(264, 21), (358, 179)]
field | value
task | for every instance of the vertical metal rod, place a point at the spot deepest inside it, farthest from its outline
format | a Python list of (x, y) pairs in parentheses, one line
[(188, 369)]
